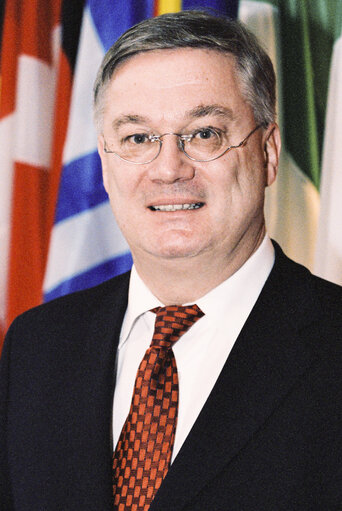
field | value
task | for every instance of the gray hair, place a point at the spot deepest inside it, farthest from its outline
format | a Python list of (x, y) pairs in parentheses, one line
[(196, 29)]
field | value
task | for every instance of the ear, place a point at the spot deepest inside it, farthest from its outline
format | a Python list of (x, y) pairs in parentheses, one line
[(272, 146), (100, 149)]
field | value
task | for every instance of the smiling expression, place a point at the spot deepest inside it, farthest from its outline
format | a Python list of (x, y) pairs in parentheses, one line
[(174, 207)]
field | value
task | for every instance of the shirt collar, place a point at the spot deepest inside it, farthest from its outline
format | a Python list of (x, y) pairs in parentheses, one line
[(246, 283), (240, 290), (140, 300)]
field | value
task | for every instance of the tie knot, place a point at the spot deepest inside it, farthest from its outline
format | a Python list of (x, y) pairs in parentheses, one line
[(172, 322)]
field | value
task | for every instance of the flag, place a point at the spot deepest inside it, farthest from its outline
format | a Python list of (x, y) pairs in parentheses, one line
[(292, 202), (300, 37), (28, 73), (329, 242), (86, 245)]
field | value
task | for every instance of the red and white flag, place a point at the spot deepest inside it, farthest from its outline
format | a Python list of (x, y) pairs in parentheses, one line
[(30, 50)]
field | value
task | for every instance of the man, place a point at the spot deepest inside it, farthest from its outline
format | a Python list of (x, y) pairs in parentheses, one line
[(243, 408)]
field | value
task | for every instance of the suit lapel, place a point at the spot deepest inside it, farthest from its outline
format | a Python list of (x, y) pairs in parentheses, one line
[(266, 361), (104, 329), (91, 393)]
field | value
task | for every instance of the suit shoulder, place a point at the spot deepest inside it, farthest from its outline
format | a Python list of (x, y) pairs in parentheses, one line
[(304, 296), (323, 289), (76, 308), (296, 273)]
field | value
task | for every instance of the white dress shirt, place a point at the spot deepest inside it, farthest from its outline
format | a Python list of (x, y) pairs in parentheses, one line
[(201, 352)]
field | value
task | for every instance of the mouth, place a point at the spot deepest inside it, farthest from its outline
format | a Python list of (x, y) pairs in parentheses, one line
[(176, 207)]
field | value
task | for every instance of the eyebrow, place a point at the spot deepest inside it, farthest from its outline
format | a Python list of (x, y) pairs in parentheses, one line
[(204, 110), (195, 113), (128, 119)]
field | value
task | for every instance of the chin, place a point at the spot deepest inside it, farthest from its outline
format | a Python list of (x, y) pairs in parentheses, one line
[(172, 244), (174, 251)]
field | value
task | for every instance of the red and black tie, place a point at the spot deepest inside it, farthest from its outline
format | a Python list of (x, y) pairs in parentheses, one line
[(143, 453)]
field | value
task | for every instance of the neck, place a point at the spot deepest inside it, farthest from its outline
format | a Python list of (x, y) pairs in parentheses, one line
[(176, 281)]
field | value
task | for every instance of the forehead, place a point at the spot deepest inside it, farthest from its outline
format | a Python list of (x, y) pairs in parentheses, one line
[(165, 84)]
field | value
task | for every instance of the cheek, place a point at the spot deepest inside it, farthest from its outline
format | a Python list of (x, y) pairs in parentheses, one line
[(228, 184), (123, 192), (239, 194), (118, 184), (251, 176)]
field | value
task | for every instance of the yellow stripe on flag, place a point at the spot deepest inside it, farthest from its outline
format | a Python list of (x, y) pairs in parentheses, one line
[(164, 6)]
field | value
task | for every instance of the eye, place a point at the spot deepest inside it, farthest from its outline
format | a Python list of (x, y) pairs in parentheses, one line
[(207, 136), (206, 133), (137, 139)]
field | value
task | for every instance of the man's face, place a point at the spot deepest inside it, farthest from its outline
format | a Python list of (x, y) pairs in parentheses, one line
[(180, 91)]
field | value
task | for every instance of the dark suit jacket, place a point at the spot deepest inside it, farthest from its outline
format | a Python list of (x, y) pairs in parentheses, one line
[(268, 438)]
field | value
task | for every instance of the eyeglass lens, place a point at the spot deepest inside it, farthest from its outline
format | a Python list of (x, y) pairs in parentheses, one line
[(141, 148)]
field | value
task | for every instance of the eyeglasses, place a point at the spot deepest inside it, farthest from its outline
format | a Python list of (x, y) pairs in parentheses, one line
[(203, 145)]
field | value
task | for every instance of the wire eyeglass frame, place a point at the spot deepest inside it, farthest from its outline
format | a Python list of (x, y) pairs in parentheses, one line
[(181, 139)]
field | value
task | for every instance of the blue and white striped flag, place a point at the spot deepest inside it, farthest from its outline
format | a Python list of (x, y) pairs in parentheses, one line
[(86, 245)]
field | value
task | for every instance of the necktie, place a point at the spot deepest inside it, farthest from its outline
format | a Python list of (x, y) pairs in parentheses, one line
[(143, 453)]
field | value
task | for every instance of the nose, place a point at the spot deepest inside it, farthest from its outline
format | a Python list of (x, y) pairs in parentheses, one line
[(172, 164)]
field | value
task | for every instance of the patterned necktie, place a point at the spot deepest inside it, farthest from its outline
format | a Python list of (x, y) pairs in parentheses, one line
[(143, 453)]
